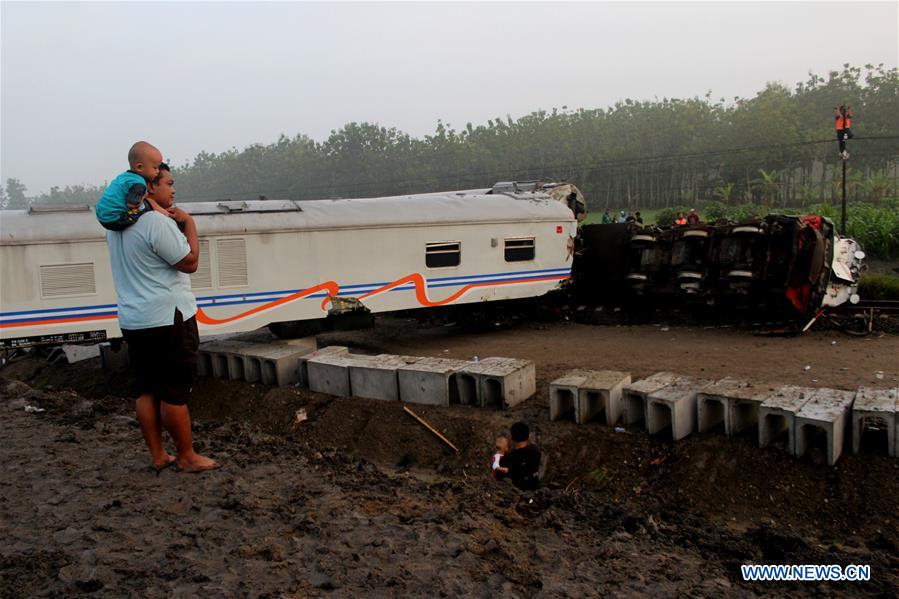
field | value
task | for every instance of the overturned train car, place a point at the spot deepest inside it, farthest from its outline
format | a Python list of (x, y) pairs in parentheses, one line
[(789, 265)]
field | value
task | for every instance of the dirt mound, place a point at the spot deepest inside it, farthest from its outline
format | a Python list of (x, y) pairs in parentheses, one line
[(359, 499)]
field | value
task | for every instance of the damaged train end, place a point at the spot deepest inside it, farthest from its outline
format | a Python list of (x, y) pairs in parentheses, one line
[(784, 266)]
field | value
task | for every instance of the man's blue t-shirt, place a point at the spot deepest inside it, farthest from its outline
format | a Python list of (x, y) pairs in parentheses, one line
[(148, 285)]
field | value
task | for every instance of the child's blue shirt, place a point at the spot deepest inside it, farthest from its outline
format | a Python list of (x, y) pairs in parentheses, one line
[(113, 205)]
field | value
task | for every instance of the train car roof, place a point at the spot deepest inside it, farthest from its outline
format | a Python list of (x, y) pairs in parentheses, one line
[(54, 224)]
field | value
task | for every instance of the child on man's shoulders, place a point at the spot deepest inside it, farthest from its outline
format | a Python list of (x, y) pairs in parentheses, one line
[(123, 202)]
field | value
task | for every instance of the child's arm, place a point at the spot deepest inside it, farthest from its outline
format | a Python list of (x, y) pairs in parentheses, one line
[(496, 461), (135, 196)]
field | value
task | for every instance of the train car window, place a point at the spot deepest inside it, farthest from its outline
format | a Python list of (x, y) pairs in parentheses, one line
[(232, 262), (520, 249), (202, 278), (61, 280), (443, 254)]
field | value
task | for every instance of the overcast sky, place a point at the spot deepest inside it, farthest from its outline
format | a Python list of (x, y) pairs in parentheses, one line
[(82, 81)]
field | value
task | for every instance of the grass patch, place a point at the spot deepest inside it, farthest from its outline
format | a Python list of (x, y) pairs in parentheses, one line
[(875, 227), (650, 216), (879, 287)]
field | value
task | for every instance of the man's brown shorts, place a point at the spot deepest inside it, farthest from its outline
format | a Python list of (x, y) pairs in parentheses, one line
[(163, 359)]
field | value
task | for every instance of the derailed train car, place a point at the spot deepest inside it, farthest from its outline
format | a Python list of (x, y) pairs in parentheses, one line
[(278, 262), (789, 265)]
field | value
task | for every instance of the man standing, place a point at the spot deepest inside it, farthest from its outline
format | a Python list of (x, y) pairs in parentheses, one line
[(693, 217), (150, 261), (523, 461), (606, 217)]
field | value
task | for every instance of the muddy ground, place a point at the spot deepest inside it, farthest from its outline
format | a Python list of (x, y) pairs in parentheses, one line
[(360, 500)]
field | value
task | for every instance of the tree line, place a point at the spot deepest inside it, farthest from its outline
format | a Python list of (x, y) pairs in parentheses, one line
[(777, 148)]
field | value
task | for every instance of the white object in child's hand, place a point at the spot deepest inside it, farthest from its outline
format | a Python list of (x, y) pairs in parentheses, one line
[(496, 458)]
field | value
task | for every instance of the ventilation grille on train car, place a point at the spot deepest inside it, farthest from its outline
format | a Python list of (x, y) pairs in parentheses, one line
[(67, 279), (232, 262), (202, 278)]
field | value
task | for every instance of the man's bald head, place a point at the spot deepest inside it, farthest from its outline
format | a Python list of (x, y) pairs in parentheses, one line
[(144, 158)]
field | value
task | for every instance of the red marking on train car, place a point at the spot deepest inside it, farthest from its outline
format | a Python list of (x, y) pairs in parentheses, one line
[(421, 292), (330, 286)]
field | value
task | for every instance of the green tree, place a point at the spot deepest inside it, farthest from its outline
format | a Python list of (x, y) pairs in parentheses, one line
[(724, 193), (652, 154), (768, 187), (878, 186), (15, 194)]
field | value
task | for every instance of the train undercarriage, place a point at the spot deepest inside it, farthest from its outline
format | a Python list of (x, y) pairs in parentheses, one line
[(789, 266)]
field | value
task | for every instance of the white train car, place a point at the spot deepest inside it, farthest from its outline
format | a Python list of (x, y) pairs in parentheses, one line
[(272, 261)]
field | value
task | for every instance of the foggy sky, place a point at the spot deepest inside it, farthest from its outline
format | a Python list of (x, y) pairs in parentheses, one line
[(82, 81)]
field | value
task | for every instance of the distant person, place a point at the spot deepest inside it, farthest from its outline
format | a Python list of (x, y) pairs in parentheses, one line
[(150, 262), (502, 448), (681, 220), (523, 461), (606, 217), (123, 201), (623, 217), (693, 217), (843, 121), (637, 218)]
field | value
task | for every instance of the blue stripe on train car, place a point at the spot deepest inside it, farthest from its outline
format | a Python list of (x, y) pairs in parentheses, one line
[(264, 296)]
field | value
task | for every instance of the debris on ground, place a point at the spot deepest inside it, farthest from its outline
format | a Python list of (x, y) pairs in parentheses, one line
[(425, 424)]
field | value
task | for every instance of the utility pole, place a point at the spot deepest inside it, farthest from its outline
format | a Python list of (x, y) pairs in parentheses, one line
[(843, 211), (843, 114)]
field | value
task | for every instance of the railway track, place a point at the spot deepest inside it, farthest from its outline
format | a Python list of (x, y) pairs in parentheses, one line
[(882, 306), (865, 311)]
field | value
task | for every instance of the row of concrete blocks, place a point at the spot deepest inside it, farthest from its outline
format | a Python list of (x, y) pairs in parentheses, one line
[(492, 382), (501, 382), (686, 404), (266, 363)]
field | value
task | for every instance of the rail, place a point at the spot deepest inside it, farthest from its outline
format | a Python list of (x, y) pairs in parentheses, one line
[(867, 305)]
